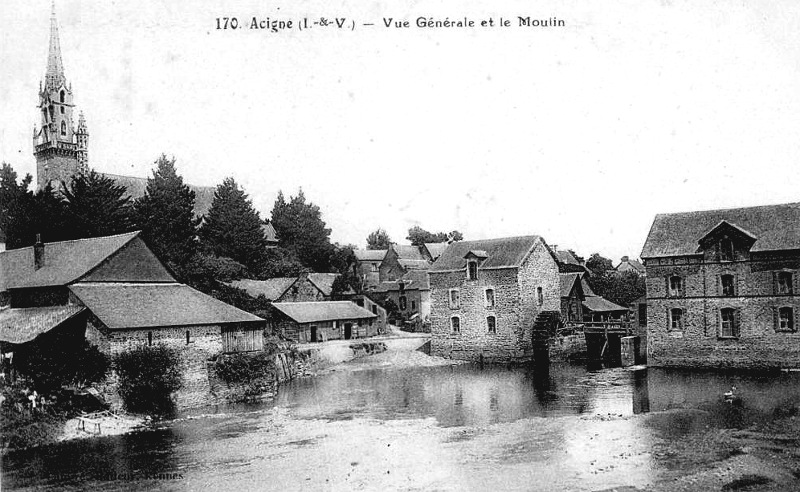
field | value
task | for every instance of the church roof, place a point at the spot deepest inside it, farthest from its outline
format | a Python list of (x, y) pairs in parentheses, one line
[(54, 75), (203, 195)]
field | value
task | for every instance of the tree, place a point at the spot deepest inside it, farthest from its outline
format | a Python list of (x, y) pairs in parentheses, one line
[(300, 226), (620, 289), (98, 206), (60, 359), (15, 206), (147, 378), (165, 214), (419, 236), (280, 262), (598, 264), (232, 227), (378, 239)]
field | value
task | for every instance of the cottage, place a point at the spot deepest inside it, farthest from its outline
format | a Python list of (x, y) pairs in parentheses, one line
[(402, 258), (303, 288), (486, 295), (362, 300), (114, 292), (626, 265), (722, 288), (411, 294), (321, 321), (367, 266)]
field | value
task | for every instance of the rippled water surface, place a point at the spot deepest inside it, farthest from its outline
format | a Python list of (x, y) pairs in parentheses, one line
[(445, 428)]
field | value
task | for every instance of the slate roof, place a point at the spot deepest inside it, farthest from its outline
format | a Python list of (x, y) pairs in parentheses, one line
[(568, 281), (370, 254), (311, 312), (414, 264), (630, 265), (136, 187), (65, 261), (587, 291), (776, 227), (506, 252), (598, 304), (436, 249), (323, 281), (121, 306), (269, 232), (412, 280), (271, 288), (20, 325), (408, 252), (566, 257)]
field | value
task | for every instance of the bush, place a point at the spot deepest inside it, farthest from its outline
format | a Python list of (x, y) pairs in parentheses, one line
[(147, 378), (254, 371), (61, 361)]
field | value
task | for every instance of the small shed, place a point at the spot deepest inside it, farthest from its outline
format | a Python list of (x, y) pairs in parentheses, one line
[(321, 321)]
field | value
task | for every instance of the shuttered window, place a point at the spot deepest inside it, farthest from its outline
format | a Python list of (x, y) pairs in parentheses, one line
[(785, 319)]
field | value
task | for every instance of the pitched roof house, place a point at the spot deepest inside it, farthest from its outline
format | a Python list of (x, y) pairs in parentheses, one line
[(321, 321), (628, 265), (486, 295), (722, 288), (403, 258), (305, 287), (367, 266), (116, 293)]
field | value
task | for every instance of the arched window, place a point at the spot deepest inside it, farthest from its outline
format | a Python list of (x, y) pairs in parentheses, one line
[(727, 285), (63, 128), (489, 298), (540, 295), (62, 96), (491, 324), (454, 300), (455, 324), (676, 319)]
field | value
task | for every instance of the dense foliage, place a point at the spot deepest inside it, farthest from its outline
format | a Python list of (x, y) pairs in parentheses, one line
[(147, 378), (419, 236), (60, 360), (254, 372), (618, 288), (233, 228), (302, 231), (165, 214), (98, 206), (378, 239)]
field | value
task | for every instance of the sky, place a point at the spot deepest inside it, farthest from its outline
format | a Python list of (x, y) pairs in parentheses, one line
[(580, 134)]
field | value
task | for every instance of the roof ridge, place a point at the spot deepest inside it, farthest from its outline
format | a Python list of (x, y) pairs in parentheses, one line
[(729, 209)]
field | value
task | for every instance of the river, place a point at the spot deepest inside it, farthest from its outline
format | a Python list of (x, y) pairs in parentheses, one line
[(424, 428)]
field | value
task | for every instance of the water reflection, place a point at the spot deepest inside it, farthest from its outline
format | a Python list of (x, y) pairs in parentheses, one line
[(562, 420)]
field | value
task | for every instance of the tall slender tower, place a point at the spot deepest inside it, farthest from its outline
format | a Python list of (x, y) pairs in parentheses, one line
[(60, 148)]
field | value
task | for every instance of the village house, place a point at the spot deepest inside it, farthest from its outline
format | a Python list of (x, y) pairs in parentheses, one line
[(487, 294), (362, 300), (628, 265), (114, 292), (722, 288), (572, 297), (367, 266), (321, 321), (411, 294), (402, 258), (305, 287)]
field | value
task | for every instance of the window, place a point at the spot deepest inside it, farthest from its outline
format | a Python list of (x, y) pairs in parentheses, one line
[(62, 109), (455, 324), (374, 309), (472, 270), (403, 303), (539, 295), (675, 286), (642, 314), (726, 251), (784, 284), (402, 286), (785, 319), (454, 301), (188, 337), (63, 128), (728, 327), (491, 324), (62, 96), (676, 319), (490, 298), (413, 305), (374, 267), (149, 338), (727, 285)]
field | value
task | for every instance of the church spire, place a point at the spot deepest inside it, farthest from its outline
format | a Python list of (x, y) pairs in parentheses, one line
[(54, 77)]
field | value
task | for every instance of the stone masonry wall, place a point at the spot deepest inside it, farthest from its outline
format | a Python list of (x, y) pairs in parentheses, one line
[(698, 343)]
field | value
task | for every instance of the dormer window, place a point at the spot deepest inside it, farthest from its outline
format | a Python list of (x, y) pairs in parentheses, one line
[(472, 270), (726, 250)]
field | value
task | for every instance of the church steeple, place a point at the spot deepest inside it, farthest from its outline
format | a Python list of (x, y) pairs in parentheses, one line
[(54, 76), (60, 148)]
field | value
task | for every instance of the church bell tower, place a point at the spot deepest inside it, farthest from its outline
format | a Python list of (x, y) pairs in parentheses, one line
[(61, 148)]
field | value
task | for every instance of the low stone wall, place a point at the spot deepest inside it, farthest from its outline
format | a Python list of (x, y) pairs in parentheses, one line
[(310, 359), (568, 347)]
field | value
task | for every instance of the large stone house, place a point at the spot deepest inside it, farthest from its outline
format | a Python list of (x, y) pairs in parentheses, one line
[(722, 288), (403, 258), (114, 292), (486, 295)]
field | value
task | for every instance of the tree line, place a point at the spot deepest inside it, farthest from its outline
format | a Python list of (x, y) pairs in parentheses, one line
[(225, 244)]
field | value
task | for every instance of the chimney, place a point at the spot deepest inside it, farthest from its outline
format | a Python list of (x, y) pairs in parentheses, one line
[(38, 253), (624, 259)]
